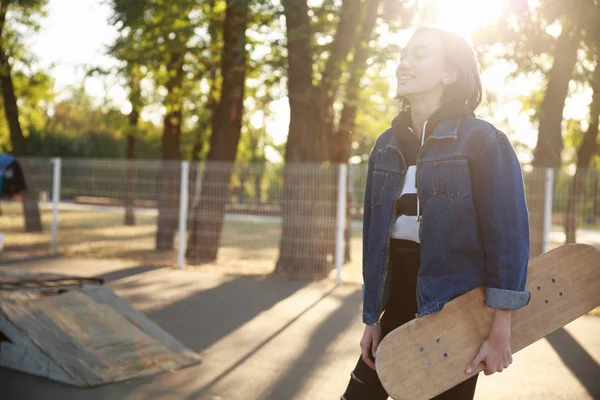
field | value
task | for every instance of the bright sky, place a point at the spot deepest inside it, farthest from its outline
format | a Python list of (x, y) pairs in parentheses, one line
[(76, 32), (74, 35)]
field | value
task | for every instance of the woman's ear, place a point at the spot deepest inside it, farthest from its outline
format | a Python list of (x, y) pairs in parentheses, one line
[(450, 77)]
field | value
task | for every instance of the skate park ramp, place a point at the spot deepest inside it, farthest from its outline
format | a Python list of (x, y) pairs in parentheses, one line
[(77, 331)]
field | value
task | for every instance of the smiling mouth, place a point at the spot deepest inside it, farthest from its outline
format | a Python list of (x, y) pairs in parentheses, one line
[(406, 78)]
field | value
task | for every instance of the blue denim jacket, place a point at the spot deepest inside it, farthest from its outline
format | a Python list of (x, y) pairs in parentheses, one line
[(474, 230)]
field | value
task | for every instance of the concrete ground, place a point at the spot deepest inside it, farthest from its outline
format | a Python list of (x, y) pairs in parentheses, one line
[(272, 339)]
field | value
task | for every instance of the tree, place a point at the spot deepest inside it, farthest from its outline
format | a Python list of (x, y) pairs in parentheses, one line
[(159, 36), (340, 141), (226, 129), (135, 77), (26, 12), (132, 73), (317, 73), (576, 20), (204, 104), (588, 148), (548, 151), (306, 210), (549, 146)]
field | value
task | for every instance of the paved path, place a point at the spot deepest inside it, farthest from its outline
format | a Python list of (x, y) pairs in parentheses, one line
[(279, 340)]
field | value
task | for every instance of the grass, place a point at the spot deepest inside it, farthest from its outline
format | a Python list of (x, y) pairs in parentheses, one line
[(247, 247)]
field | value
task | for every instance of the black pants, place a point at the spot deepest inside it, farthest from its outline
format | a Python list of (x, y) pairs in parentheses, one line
[(401, 308)]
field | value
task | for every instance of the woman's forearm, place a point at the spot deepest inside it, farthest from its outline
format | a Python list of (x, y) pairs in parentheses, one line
[(501, 324)]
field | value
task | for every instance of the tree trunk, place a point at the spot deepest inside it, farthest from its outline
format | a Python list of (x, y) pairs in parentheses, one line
[(303, 247), (168, 198), (203, 128), (31, 211), (132, 167), (194, 173), (207, 222), (309, 190), (344, 41), (547, 153), (341, 139), (584, 155), (130, 181)]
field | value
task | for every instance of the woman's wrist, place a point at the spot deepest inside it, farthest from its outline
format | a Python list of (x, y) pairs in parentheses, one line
[(500, 328)]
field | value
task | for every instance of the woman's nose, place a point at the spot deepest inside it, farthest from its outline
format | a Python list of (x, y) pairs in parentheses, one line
[(402, 66)]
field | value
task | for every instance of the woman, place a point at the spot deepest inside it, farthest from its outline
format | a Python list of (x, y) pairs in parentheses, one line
[(445, 211)]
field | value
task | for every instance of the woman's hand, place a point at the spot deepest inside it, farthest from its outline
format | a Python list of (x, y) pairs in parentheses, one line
[(369, 343), (495, 352)]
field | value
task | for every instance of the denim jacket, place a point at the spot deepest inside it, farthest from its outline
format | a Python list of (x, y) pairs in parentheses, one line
[(474, 229)]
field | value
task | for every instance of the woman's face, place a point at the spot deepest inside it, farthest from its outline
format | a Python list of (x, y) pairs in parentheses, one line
[(422, 68)]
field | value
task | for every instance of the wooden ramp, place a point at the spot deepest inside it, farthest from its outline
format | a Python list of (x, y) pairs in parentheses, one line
[(79, 332), (13, 279)]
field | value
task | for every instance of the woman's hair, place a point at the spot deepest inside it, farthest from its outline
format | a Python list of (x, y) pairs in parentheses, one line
[(458, 55)]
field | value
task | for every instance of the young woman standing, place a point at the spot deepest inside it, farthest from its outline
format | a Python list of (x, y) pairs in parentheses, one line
[(444, 212)]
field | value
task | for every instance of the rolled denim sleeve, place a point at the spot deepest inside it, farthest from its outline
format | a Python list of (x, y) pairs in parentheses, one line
[(499, 195)]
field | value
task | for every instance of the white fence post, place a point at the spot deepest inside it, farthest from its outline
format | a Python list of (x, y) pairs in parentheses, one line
[(55, 200), (183, 207), (341, 221), (549, 188)]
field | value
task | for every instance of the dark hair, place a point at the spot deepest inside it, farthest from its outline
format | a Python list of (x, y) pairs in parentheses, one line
[(467, 89)]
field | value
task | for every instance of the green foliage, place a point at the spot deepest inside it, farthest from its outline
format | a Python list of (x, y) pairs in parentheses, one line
[(34, 89), (527, 37), (22, 18), (82, 129), (89, 145)]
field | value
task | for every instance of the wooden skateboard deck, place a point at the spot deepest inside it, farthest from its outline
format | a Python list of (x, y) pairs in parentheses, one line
[(429, 355)]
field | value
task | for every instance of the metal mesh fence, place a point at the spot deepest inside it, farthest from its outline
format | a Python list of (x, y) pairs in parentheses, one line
[(256, 218), (258, 208), (108, 208), (576, 207)]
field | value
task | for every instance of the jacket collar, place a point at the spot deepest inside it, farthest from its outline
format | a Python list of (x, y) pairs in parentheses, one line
[(442, 124), (447, 129)]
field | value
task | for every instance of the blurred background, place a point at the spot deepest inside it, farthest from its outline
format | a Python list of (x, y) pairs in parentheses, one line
[(234, 134)]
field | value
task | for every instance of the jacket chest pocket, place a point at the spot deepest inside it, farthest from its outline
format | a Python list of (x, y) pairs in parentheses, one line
[(380, 179), (451, 180)]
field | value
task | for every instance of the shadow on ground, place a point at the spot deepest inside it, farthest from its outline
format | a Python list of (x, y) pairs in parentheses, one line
[(198, 321), (578, 360)]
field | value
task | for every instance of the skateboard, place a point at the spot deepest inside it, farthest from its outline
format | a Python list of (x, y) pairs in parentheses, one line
[(429, 355)]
